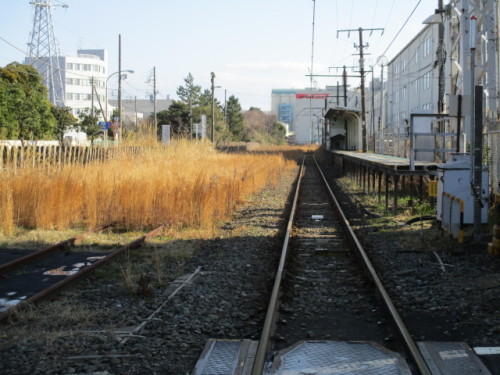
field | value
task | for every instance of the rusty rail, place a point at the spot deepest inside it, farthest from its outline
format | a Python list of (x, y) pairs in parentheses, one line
[(262, 348), (391, 308), (80, 274), (49, 250)]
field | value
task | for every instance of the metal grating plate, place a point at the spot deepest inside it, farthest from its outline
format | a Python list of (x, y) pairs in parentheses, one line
[(338, 357), (451, 358), (226, 357)]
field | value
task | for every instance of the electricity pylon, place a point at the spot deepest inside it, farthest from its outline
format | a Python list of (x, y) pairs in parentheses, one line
[(43, 52)]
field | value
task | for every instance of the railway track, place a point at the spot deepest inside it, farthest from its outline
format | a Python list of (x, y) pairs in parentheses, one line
[(38, 275), (329, 312), (324, 304)]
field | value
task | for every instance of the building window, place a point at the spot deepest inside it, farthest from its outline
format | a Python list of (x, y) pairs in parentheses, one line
[(427, 46), (69, 66), (285, 113), (427, 80)]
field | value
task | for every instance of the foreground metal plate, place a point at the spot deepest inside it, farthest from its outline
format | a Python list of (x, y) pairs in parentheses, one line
[(226, 357), (338, 357), (451, 358)]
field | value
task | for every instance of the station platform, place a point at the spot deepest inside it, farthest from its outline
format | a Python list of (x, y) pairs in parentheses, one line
[(396, 165), (372, 171)]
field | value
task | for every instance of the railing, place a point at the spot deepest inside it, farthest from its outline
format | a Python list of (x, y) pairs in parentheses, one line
[(452, 216)]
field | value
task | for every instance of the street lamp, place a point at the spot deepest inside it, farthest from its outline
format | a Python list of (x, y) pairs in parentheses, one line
[(123, 76)]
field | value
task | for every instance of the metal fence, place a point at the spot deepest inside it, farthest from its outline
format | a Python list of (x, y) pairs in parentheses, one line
[(396, 142), (492, 155)]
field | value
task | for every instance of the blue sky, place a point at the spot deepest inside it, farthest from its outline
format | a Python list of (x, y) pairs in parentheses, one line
[(252, 46)]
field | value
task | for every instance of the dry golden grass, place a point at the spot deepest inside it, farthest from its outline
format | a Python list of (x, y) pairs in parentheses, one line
[(290, 152), (187, 185), (283, 148)]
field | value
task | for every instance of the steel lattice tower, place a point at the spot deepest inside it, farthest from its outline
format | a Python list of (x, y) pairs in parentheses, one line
[(43, 52)]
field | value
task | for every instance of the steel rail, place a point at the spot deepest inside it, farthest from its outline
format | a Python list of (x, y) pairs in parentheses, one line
[(83, 272), (262, 348), (393, 312), (49, 250)]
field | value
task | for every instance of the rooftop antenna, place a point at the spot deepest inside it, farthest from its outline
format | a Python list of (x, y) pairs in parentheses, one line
[(43, 52)]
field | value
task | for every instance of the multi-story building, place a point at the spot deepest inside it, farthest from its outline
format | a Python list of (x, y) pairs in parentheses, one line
[(428, 67), (81, 70), (78, 73), (412, 79)]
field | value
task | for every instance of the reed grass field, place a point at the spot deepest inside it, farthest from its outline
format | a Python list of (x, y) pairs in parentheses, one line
[(186, 185)]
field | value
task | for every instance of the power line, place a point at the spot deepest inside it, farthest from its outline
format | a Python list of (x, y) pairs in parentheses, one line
[(40, 60), (402, 27)]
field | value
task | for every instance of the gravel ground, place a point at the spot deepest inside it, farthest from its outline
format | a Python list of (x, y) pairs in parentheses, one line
[(444, 292), (74, 334)]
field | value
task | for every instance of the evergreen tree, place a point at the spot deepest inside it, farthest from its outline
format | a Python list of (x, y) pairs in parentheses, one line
[(189, 93), (89, 123), (234, 118), (64, 120), (25, 110), (177, 116)]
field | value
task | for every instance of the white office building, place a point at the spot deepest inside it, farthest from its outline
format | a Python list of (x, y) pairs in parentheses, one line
[(78, 72), (412, 79)]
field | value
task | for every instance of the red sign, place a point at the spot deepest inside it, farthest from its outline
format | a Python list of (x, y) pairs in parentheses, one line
[(311, 96)]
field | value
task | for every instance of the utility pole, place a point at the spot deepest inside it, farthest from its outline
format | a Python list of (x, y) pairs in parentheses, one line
[(381, 115), (441, 58), (490, 24), (373, 114), (362, 75), (338, 88), (477, 168), (120, 83), (344, 82), (155, 121), (212, 74), (135, 108), (476, 133), (344, 76)]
